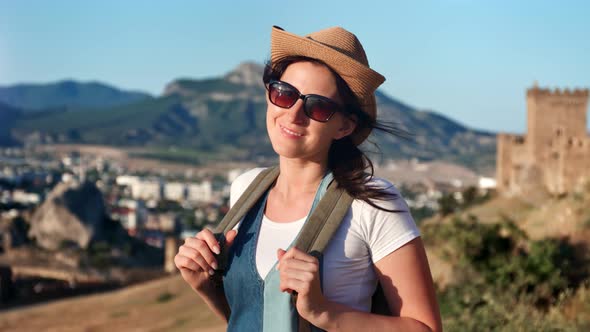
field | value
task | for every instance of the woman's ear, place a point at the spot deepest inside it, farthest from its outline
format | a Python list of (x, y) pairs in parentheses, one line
[(348, 126)]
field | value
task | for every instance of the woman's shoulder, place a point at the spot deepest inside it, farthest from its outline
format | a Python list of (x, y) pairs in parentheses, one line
[(392, 200), (241, 183), (384, 224)]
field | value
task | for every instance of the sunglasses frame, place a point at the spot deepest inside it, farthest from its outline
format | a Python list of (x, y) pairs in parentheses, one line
[(303, 97)]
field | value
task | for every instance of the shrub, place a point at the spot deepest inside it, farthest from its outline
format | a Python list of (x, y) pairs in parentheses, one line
[(507, 281)]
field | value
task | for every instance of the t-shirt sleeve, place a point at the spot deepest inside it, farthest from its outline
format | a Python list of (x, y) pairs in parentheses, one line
[(241, 183), (386, 231)]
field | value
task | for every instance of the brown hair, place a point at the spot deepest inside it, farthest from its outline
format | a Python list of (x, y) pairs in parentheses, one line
[(351, 167)]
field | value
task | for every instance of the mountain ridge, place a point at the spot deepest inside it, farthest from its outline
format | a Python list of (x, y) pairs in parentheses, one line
[(229, 110), (67, 93)]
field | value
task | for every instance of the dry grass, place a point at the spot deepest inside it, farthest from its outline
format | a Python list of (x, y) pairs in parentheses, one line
[(166, 304)]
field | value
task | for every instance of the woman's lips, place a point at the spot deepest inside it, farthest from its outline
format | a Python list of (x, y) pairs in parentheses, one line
[(290, 133)]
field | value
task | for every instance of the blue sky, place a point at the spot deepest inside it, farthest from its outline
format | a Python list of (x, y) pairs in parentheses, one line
[(470, 60)]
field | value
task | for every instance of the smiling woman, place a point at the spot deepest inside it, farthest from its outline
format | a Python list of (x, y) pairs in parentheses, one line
[(320, 107)]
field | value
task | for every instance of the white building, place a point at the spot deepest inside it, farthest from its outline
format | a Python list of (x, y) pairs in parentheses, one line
[(126, 180), (23, 197), (175, 191), (147, 190), (200, 192), (131, 214), (487, 183)]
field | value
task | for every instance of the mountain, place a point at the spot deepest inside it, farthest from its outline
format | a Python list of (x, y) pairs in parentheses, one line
[(433, 136), (229, 111), (8, 117), (68, 94)]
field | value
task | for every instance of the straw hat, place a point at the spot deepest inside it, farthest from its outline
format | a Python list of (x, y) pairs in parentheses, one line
[(343, 52)]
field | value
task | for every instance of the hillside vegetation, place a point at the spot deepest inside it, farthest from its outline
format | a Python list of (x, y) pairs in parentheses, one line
[(497, 268), (514, 264)]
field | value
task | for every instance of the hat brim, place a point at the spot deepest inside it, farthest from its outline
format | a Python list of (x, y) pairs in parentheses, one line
[(362, 80)]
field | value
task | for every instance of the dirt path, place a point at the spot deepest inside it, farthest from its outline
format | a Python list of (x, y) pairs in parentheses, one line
[(166, 304)]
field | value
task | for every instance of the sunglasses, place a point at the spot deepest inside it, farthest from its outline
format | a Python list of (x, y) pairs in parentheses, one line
[(316, 107)]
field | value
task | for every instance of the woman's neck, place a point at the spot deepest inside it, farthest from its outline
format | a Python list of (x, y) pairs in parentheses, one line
[(299, 177)]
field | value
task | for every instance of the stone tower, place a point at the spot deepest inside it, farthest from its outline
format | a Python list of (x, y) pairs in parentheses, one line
[(554, 114), (555, 151)]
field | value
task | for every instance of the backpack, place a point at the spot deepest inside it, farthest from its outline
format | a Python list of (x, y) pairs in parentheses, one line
[(313, 238)]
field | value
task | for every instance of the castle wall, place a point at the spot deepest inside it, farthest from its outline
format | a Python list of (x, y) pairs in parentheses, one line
[(576, 153), (511, 160)]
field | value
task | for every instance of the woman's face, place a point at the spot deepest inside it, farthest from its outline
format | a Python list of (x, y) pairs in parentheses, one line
[(291, 132)]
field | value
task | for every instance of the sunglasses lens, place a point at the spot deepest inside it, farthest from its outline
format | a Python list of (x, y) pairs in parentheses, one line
[(319, 110), (315, 107), (282, 95)]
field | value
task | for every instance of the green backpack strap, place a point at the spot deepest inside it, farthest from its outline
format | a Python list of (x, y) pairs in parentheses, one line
[(318, 231), (251, 195), (324, 221), (321, 226)]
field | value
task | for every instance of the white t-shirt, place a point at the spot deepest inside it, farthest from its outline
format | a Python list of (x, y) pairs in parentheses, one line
[(365, 235)]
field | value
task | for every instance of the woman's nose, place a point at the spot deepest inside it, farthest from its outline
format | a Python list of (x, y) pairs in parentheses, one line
[(296, 113)]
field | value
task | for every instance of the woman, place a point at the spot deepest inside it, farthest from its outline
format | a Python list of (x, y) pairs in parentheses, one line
[(321, 106)]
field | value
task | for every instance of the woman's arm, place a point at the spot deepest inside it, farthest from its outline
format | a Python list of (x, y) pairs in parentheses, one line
[(404, 275), (214, 297), (407, 283)]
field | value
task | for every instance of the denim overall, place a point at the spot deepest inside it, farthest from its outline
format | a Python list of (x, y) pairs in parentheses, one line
[(258, 304)]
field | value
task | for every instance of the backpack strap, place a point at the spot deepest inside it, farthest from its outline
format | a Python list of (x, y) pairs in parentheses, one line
[(316, 233), (324, 220), (251, 195), (321, 226)]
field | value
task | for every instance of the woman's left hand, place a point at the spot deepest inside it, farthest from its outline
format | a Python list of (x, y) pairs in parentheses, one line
[(299, 272)]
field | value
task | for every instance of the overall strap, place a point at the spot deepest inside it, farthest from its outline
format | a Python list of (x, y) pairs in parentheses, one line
[(247, 200)]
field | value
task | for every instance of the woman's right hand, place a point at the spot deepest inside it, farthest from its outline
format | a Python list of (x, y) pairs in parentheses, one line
[(196, 261)]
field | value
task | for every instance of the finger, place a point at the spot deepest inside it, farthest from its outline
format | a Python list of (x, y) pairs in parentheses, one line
[(185, 263), (299, 265), (293, 285), (230, 237), (207, 236), (198, 249), (298, 254), (305, 276), (196, 257), (280, 254)]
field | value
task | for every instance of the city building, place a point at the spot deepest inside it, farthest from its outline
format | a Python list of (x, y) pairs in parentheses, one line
[(132, 214), (175, 191), (200, 192)]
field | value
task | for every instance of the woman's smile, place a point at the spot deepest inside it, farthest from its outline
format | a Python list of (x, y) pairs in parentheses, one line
[(291, 133)]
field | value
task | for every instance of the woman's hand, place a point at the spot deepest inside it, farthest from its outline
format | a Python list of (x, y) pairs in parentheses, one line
[(196, 261), (299, 272)]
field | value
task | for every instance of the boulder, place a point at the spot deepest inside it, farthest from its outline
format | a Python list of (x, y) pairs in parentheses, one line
[(72, 213)]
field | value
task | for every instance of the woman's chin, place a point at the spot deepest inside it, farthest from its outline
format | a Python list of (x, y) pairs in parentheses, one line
[(288, 152)]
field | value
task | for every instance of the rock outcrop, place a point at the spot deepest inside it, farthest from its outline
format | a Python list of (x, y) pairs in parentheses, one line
[(247, 73), (73, 213)]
